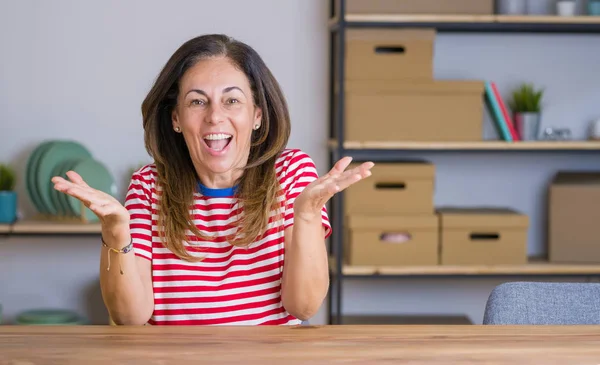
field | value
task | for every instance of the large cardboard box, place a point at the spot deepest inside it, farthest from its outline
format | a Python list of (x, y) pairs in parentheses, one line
[(394, 188), (482, 236), (473, 7), (389, 54), (440, 110), (574, 216), (391, 240)]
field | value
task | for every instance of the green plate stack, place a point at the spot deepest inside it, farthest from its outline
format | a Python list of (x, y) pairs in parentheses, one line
[(49, 317), (55, 158)]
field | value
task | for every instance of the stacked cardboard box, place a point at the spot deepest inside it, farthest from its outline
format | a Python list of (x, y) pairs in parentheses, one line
[(390, 217), (574, 213), (482, 236), (391, 220), (391, 94)]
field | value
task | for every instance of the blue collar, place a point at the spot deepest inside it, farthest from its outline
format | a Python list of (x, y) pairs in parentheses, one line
[(216, 192)]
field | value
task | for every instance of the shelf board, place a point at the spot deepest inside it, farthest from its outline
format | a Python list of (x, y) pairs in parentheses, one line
[(416, 18), (466, 18), (534, 267), (40, 226), (4, 228), (475, 146), (548, 19), (476, 23)]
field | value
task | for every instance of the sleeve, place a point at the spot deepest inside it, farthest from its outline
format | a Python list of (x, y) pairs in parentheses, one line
[(139, 204), (300, 172)]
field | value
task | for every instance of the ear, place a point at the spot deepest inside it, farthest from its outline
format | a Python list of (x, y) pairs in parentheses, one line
[(175, 118), (257, 116)]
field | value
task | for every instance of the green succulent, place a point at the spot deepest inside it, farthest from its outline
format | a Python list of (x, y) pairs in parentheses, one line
[(7, 178), (526, 99)]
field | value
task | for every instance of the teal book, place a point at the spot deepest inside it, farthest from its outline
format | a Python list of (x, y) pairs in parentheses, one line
[(494, 108)]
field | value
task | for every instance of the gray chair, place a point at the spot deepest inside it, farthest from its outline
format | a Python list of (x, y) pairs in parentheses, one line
[(539, 303)]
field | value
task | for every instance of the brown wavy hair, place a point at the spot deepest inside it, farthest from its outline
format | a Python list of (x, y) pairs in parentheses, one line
[(258, 188)]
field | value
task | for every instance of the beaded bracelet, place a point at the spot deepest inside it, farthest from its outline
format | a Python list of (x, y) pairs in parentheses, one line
[(125, 249)]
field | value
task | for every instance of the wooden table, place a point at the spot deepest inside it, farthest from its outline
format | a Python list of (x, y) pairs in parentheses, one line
[(293, 345)]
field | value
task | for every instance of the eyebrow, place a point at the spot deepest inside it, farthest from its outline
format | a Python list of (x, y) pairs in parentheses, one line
[(225, 90)]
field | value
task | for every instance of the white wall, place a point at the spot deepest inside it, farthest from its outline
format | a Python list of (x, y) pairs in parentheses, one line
[(80, 69)]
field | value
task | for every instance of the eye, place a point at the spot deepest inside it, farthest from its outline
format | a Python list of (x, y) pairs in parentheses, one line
[(232, 101), (197, 102)]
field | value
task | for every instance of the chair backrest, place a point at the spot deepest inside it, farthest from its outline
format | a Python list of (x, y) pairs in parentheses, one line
[(540, 303)]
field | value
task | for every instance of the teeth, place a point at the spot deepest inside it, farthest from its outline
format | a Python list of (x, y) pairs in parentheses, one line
[(217, 136)]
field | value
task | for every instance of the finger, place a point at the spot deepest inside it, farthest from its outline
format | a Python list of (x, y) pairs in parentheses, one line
[(352, 177), (76, 178), (344, 183), (58, 180), (334, 184), (63, 185), (85, 195), (367, 165), (363, 171), (339, 166)]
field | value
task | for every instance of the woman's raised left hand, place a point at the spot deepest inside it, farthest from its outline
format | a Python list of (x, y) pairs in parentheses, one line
[(310, 201)]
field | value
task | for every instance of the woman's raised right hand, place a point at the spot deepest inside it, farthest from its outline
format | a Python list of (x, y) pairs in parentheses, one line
[(112, 214)]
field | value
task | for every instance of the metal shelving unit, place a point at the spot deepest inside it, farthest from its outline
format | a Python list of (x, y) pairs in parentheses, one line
[(389, 151)]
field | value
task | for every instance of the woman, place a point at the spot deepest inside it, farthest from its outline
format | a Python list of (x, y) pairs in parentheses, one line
[(204, 230)]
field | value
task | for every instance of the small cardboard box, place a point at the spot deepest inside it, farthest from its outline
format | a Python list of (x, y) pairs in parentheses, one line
[(429, 7), (483, 236), (441, 110), (389, 54), (391, 240), (394, 188), (574, 216)]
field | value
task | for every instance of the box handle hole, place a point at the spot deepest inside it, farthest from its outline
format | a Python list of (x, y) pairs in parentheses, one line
[(390, 185), (485, 236), (389, 49), (395, 237)]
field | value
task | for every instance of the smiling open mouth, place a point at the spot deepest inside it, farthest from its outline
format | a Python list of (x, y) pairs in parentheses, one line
[(217, 141)]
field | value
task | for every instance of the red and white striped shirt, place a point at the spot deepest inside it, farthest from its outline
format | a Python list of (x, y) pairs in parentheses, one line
[(231, 285)]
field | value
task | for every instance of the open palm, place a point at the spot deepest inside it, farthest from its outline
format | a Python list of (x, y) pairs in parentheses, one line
[(108, 209), (317, 193)]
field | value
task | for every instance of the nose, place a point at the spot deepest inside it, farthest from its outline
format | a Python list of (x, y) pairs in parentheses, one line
[(215, 114)]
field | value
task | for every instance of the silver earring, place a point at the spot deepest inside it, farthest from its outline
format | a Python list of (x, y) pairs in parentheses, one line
[(177, 129), (256, 126)]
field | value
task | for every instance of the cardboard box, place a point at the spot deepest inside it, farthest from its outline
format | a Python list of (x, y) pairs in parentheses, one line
[(389, 54), (391, 240), (394, 188), (474, 7), (441, 110), (482, 236), (574, 215)]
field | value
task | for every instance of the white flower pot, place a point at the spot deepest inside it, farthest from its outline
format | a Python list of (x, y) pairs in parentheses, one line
[(566, 7)]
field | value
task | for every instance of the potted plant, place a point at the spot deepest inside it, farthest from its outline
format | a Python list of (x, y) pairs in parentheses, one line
[(8, 197), (526, 105)]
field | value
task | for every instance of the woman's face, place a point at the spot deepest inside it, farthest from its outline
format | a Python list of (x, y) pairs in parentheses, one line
[(216, 113)]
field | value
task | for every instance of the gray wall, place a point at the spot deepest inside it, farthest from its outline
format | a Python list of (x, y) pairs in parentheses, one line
[(80, 70)]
